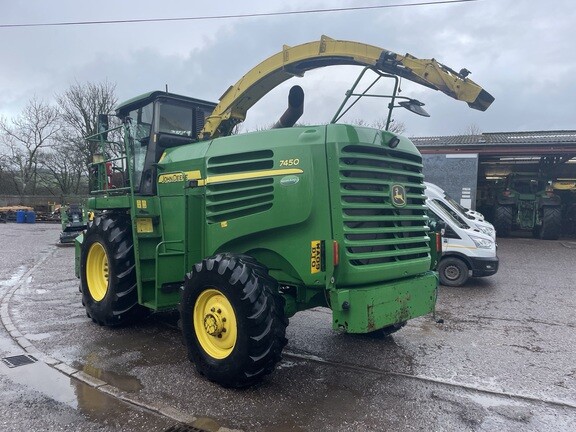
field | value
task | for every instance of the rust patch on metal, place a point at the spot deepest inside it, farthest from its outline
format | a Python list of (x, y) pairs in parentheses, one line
[(370, 315)]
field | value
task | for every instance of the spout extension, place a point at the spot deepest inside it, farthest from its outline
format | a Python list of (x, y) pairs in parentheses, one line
[(295, 108)]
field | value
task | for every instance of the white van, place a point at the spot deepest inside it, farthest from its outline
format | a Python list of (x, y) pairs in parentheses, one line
[(465, 251), (471, 218)]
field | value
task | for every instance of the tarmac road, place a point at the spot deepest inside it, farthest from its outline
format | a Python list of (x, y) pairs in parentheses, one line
[(502, 360)]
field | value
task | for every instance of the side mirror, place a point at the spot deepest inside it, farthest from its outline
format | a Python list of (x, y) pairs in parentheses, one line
[(102, 126)]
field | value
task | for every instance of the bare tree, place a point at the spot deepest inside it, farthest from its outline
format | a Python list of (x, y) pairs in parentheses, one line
[(66, 166), (473, 129), (3, 168), (80, 106), (396, 127), (25, 137)]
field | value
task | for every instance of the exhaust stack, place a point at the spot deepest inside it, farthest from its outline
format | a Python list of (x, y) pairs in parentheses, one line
[(295, 108)]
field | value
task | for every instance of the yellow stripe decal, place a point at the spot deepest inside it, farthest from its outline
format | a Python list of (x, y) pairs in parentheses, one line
[(459, 247), (196, 175), (193, 175), (251, 175)]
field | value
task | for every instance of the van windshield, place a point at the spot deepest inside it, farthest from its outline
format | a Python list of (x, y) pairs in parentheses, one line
[(458, 206), (455, 215), (447, 216)]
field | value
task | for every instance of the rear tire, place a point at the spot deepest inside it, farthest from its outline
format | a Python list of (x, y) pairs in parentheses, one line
[(453, 271), (233, 320), (551, 223), (108, 272), (503, 220)]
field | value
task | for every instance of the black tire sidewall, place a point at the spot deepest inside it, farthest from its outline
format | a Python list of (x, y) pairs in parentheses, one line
[(233, 364), (456, 262), (120, 303), (503, 220), (259, 312), (551, 223), (98, 310)]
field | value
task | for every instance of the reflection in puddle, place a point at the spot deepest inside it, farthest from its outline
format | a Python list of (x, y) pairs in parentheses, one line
[(95, 403), (112, 412), (123, 382), (206, 424)]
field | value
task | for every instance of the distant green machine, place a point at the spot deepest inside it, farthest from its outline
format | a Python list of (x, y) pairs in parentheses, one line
[(243, 231), (528, 202), (73, 219)]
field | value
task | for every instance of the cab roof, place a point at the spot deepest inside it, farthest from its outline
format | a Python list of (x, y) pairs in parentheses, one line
[(144, 99)]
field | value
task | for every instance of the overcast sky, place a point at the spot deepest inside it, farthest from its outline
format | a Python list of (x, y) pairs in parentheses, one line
[(520, 51)]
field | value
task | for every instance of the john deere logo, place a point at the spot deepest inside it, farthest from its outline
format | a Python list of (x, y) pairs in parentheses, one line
[(398, 194)]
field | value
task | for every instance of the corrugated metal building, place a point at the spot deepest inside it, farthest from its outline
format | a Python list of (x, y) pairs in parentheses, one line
[(472, 167)]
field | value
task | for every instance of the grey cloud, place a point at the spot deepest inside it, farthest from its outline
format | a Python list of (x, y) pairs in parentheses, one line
[(521, 52)]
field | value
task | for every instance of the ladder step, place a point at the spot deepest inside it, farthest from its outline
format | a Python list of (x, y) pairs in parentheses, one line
[(166, 254)]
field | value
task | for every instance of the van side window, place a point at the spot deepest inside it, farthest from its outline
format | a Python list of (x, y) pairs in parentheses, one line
[(451, 212), (448, 232)]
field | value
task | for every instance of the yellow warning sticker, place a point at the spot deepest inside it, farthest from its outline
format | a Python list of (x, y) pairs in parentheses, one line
[(315, 256), (144, 225)]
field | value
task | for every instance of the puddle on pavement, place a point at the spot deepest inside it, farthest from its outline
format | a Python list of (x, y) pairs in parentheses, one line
[(42, 378), (108, 410), (123, 382), (206, 424), (96, 405)]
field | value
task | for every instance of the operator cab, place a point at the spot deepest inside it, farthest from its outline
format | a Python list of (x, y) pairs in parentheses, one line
[(160, 120)]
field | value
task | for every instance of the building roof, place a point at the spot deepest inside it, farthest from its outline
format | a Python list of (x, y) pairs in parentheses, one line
[(505, 142)]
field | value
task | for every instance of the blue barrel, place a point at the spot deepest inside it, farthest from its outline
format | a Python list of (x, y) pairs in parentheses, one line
[(20, 216), (30, 217)]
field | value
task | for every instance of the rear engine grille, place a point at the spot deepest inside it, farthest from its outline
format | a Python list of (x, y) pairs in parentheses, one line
[(375, 231)]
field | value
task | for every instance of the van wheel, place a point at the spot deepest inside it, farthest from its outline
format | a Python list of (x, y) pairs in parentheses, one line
[(453, 271)]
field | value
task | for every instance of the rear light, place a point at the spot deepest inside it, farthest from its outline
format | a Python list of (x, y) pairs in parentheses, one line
[(335, 253), (438, 242)]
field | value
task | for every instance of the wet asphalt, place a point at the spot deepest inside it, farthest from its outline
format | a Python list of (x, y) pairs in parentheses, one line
[(503, 358)]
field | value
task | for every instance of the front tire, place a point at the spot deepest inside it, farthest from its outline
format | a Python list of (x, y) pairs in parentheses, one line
[(108, 272), (233, 320), (453, 272)]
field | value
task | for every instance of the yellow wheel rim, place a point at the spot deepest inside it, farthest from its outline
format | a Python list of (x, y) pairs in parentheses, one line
[(215, 323), (97, 271)]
